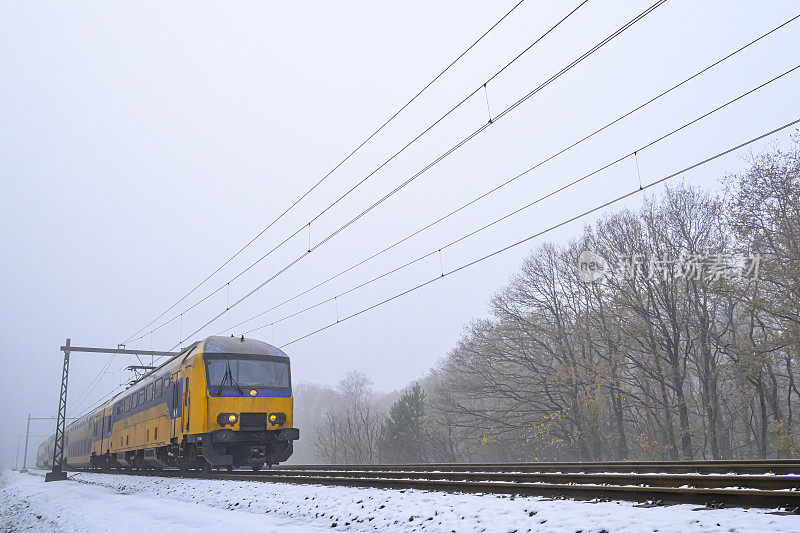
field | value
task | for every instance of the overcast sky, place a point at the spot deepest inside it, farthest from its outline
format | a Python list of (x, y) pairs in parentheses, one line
[(142, 144)]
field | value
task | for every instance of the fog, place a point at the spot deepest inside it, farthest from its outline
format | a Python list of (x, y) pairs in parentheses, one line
[(141, 145)]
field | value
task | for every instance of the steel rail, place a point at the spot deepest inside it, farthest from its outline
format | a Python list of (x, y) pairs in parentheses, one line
[(777, 466), (630, 481), (763, 482), (649, 495)]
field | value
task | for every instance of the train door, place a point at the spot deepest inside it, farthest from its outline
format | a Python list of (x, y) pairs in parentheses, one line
[(175, 404), (96, 436), (185, 407), (103, 432), (108, 420)]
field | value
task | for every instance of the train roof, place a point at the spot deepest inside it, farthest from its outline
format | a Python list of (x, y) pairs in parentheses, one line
[(240, 345)]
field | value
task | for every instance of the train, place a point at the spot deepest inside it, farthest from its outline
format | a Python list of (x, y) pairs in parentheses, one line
[(220, 403)]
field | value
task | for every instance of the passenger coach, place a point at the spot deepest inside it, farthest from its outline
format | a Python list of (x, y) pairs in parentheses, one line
[(223, 402)]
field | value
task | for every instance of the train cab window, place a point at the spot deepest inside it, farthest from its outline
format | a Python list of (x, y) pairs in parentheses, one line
[(158, 388)]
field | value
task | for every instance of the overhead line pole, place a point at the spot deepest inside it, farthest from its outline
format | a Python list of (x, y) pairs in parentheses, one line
[(25, 453), (16, 457), (28, 434), (57, 473)]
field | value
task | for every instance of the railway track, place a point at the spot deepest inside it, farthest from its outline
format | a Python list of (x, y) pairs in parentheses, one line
[(768, 466), (766, 484)]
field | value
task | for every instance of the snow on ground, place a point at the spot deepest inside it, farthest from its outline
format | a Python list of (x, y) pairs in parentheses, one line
[(28, 504), (106, 502)]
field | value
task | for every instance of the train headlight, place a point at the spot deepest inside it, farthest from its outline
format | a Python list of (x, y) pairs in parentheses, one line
[(253, 392), (277, 419), (224, 419)]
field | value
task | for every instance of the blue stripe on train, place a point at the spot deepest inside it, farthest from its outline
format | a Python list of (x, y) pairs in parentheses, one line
[(232, 392)]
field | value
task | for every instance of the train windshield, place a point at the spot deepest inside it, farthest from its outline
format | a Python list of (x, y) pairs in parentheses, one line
[(242, 371)]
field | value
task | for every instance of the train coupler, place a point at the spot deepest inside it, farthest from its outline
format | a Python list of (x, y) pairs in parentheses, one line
[(256, 454)]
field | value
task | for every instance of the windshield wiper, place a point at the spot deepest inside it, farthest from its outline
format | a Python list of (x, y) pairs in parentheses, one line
[(233, 381), (229, 375)]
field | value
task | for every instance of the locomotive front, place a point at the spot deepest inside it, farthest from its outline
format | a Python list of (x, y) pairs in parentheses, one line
[(248, 415)]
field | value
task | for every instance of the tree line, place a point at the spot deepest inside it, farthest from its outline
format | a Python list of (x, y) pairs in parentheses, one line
[(678, 338)]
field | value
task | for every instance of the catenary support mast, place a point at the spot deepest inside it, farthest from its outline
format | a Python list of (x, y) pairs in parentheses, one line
[(58, 472)]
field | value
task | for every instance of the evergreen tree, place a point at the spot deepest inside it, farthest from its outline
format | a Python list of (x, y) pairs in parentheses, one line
[(402, 433)]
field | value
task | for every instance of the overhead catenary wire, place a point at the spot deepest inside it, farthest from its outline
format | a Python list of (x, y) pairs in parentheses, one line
[(334, 169), (472, 233), (93, 384), (97, 379), (512, 179), (372, 173), (635, 191), (95, 405), (116, 390), (443, 156)]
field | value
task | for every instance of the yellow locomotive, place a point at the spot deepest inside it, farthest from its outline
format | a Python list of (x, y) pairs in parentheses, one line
[(223, 402)]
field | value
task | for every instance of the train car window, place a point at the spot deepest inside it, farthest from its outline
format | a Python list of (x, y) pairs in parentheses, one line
[(141, 397), (158, 388), (151, 391)]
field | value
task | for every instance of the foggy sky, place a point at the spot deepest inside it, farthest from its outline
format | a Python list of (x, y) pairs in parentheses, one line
[(142, 144)]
